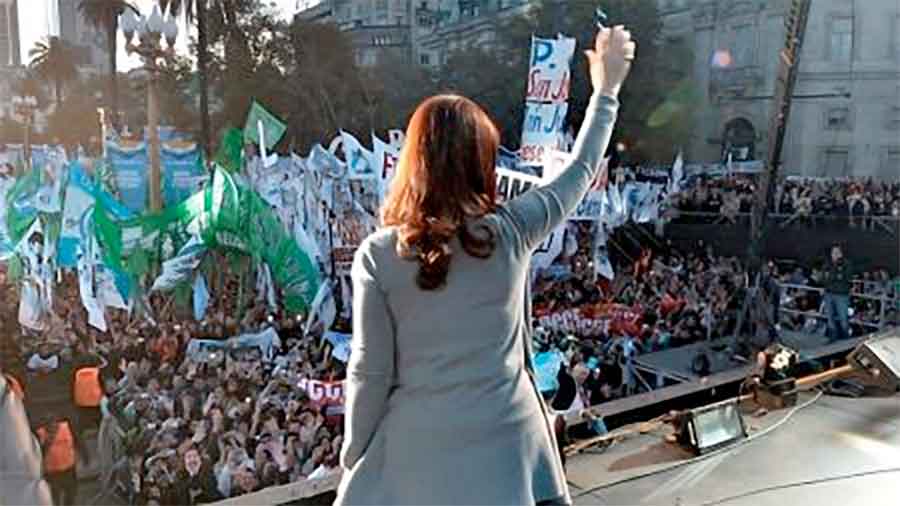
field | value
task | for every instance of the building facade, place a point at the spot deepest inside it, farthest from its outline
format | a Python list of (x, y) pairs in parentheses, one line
[(845, 119), (10, 52), (417, 31), (377, 28), (89, 44), (446, 26)]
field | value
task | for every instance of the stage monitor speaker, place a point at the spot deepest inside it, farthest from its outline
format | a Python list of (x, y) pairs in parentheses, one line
[(879, 357), (712, 427)]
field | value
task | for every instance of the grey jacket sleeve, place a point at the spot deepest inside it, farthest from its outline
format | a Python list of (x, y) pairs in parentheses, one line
[(370, 369), (534, 214), (20, 455)]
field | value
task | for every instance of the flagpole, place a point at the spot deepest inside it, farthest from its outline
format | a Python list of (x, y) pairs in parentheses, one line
[(262, 140)]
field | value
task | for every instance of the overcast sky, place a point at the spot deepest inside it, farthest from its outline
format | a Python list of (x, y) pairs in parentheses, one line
[(35, 24)]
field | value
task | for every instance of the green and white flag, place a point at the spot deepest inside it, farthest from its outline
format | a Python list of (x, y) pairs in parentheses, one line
[(273, 128)]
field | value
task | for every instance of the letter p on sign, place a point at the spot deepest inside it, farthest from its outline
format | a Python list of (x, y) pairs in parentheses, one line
[(542, 51)]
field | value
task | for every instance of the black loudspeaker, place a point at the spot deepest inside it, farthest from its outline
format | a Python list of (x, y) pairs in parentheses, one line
[(712, 427), (879, 357)]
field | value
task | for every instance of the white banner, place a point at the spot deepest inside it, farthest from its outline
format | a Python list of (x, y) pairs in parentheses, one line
[(386, 158), (542, 131), (550, 74), (358, 159)]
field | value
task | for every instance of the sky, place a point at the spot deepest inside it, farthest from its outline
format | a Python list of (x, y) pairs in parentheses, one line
[(35, 24)]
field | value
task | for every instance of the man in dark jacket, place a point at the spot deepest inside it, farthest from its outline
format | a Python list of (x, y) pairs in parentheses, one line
[(196, 484), (838, 279)]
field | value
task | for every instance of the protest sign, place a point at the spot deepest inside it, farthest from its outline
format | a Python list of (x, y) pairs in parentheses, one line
[(549, 74), (386, 158), (129, 167), (542, 130), (546, 98), (183, 171)]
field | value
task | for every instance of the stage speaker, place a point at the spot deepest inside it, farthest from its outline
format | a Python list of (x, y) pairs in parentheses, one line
[(879, 357), (712, 427)]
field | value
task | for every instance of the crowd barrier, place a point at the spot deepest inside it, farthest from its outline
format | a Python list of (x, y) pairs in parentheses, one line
[(284, 494), (867, 249), (885, 300)]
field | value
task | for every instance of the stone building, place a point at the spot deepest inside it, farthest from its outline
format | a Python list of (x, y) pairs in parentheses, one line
[(846, 113)]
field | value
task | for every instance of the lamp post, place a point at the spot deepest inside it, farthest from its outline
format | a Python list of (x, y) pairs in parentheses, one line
[(149, 47), (24, 107)]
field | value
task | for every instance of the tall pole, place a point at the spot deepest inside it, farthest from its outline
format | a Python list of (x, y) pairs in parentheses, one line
[(26, 144), (785, 81), (153, 139), (202, 66)]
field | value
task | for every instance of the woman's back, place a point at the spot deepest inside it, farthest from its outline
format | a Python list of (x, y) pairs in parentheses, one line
[(460, 347), (441, 406)]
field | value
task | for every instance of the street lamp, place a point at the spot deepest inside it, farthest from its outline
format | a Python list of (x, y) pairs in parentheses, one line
[(149, 47), (24, 108)]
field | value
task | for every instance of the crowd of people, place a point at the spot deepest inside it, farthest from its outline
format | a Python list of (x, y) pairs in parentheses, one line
[(190, 412), (803, 200), (196, 411), (670, 297)]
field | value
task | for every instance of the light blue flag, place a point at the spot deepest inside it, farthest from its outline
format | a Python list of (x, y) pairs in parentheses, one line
[(129, 168), (201, 297), (546, 367)]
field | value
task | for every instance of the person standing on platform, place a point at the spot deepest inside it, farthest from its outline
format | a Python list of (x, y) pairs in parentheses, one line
[(441, 402), (838, 280)]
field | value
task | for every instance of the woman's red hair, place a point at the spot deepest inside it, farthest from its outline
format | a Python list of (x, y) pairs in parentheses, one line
[(445, 178)]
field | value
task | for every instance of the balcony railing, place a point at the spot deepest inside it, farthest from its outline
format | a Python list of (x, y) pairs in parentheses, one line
[(741, 78)]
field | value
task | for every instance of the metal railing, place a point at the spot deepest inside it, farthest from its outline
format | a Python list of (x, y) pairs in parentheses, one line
[(889, 298)]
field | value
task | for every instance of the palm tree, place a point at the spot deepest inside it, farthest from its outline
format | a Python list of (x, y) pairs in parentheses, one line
[(196, 10), (52, 59), (104, 15)]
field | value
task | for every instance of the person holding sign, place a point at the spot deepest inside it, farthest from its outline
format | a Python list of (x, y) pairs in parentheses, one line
[(441, 401)]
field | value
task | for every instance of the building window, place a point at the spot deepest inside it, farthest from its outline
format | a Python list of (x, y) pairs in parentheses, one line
[(892, 118), (841, 39), (897, 36), (838, 118), (891, 162), (424, 59), (836, 162), (744, 42)]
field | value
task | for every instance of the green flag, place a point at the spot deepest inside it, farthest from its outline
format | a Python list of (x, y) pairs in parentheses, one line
[(273, 128), (229, 154)]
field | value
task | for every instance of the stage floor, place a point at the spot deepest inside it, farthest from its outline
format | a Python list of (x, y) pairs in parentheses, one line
[(831, 438), (675, 363)]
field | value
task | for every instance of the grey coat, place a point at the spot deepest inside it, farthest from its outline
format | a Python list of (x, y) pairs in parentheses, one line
[(441, 403), (20, 455)]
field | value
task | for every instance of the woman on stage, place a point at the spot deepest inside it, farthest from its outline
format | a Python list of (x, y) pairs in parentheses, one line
[(442, 406)]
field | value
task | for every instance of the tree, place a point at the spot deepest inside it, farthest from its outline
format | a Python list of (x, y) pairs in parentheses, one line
[(104, 16), (196, 10), (657, 88), (76, 122), (52, 59)]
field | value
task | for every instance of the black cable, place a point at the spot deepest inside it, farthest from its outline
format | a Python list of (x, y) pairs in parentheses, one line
[(804, 483)]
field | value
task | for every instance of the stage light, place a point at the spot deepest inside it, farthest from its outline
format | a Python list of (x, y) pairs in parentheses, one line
[(712, 427)]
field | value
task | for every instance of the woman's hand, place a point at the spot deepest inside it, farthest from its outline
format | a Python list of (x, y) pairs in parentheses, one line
[(610, 60)]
